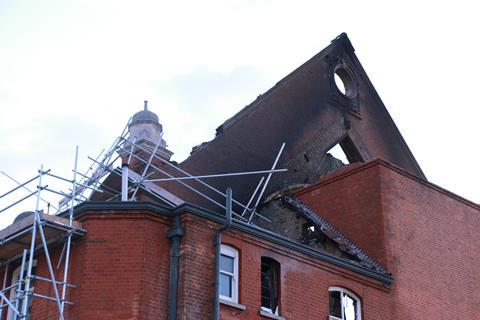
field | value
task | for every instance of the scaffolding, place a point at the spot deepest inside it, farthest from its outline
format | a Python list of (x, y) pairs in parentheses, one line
[(36, 231), (29, 236), (26, 238)]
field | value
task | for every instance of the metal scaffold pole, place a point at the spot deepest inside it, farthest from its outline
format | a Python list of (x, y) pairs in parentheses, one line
[(5, 274), (69, 239), (49, 263), (32, 247), (20, 293)]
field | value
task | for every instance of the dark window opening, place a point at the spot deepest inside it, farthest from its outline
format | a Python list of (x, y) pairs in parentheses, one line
[(270, 285), (335, 302)]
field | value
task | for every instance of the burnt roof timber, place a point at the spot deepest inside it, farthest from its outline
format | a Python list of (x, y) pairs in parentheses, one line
[(329, 231)]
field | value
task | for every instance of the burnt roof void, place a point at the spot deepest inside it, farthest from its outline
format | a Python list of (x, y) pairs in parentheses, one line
[(328, 101)]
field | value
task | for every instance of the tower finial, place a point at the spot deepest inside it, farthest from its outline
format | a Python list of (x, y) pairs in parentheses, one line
[(145, 105)]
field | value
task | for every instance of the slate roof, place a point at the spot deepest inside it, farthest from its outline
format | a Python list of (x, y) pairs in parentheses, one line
[(328, 230)]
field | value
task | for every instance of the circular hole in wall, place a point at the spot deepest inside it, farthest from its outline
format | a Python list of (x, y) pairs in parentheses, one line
[(345, 83)]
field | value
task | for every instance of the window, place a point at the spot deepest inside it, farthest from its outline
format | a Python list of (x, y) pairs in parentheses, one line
[(344, 305), (270, 285), (13, 291), (228, 274)]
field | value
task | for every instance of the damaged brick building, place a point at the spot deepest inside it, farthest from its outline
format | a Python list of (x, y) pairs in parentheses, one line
[(262, 222)]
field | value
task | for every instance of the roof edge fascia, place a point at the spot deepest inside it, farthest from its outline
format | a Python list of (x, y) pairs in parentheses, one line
[(241, 226)]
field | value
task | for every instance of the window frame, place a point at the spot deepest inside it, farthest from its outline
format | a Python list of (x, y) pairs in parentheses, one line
[(13, 291), (345, 292), (231, 252), (275, 269)]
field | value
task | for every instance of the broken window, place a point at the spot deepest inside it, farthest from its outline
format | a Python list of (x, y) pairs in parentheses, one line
[(270, 285), (344, 305), (228, 277), (309, 234)]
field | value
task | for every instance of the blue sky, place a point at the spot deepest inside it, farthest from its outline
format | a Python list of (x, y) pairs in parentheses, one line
[(73, 72)]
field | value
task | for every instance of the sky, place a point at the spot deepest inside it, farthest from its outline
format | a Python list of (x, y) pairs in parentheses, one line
[(73, 72)]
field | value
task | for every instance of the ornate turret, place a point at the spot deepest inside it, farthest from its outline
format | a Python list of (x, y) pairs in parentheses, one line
[(147, 131)]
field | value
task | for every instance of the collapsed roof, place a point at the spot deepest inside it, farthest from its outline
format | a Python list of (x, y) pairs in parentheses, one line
[(292, 218), (310, 114), (328, 101)]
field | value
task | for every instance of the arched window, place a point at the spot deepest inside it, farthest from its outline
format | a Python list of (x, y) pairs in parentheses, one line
[(228, 274), (13, 291), (344, 305), (270, 285)]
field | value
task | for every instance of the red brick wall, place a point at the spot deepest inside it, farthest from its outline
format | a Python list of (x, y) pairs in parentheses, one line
[(350, 200), (120, 268), (124, 268), (304, 283), (305, 280), (430, 237), (43, 309), (197, 269), (433, 242)]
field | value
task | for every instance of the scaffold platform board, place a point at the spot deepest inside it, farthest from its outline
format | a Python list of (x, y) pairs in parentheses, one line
[(18, 235)]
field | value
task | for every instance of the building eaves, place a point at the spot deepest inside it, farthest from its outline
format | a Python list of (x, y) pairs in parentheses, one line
[(238, 225)]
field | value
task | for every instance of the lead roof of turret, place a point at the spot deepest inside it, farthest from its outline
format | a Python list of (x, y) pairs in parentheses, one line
[(144, 115)]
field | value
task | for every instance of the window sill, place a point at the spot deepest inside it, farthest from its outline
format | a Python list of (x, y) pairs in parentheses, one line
[(233, 304), (271, 316)]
